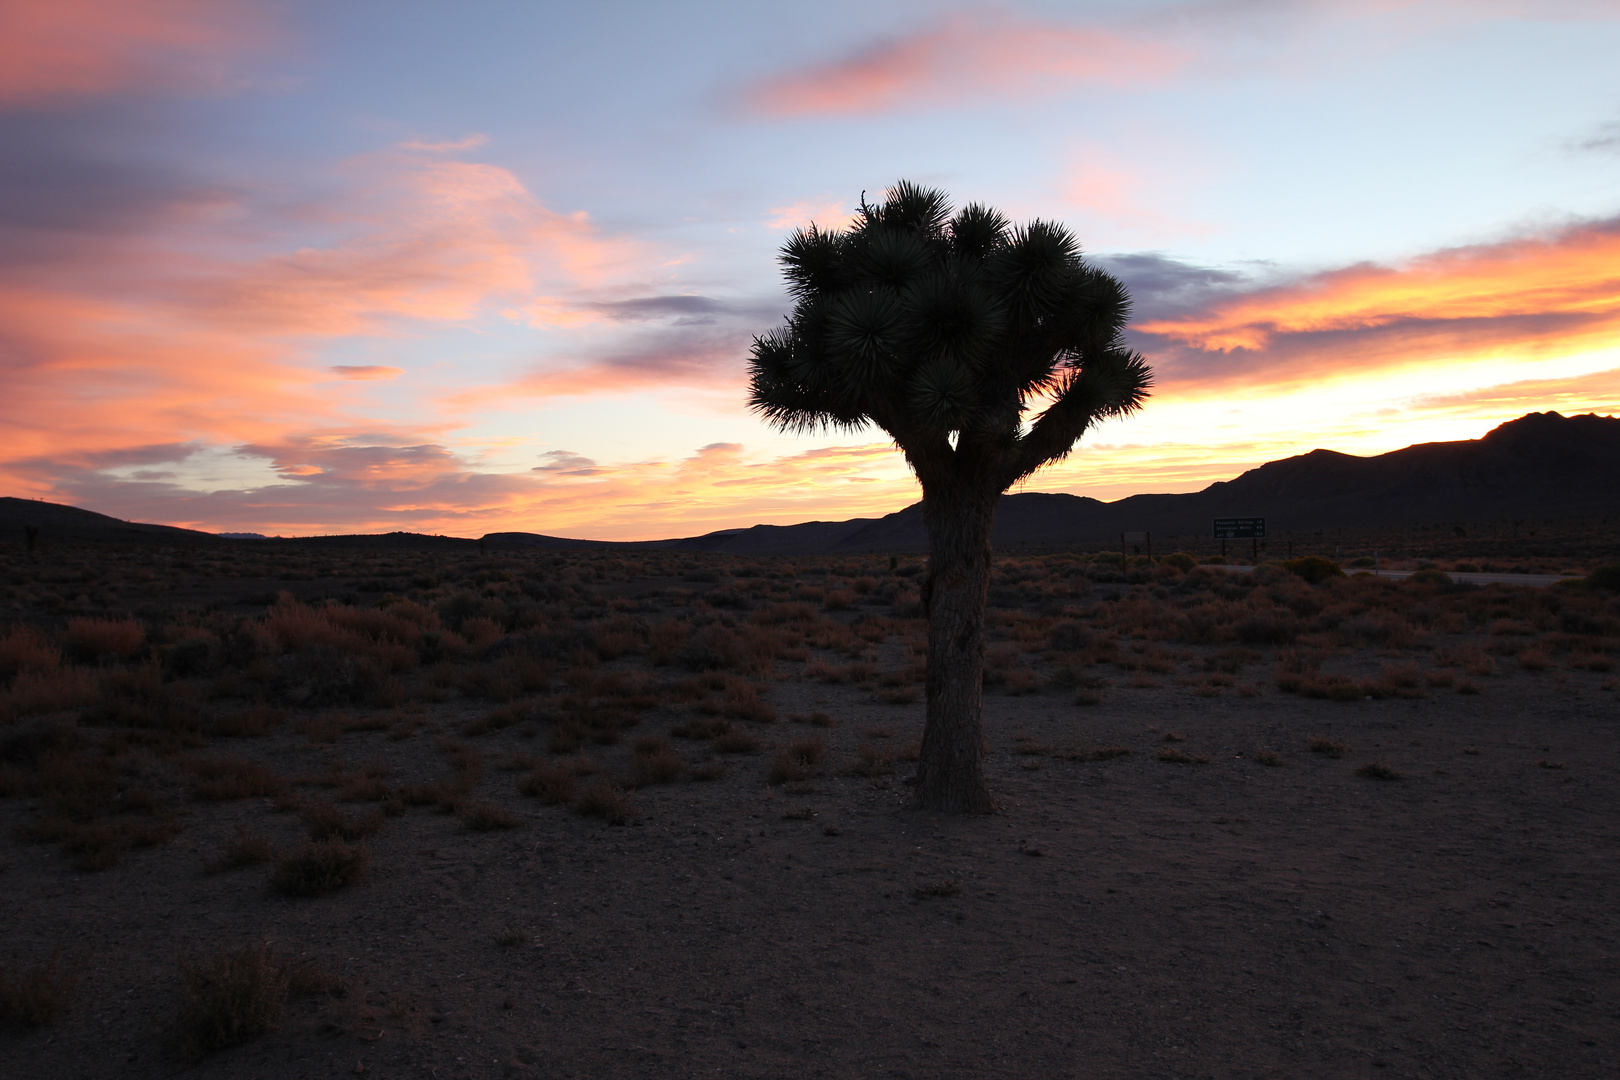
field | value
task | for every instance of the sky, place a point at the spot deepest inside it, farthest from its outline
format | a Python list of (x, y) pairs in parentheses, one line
[(299, 268)]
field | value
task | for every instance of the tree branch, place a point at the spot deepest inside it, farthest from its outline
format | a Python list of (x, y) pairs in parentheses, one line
[(1111, 385)]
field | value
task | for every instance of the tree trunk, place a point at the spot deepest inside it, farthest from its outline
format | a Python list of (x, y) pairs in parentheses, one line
[(950, 773)]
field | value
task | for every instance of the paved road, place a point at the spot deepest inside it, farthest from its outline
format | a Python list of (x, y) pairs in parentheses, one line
[(1534, 580)]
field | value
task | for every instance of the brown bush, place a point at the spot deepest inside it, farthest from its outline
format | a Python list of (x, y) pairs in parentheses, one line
[(797, 761), (483, 816), (233, 997), (550, 784), (92, 639), (252, 722), (655, 761), (245, 849), (743, 702), (1321, 744), (39, 693), (38, 996), (872, 761), (605, 801), (225, 778), (326, 822), (737, 742), (25, 649), (319, 867)]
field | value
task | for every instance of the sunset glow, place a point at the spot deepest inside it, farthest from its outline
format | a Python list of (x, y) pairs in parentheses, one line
[(308, 268)]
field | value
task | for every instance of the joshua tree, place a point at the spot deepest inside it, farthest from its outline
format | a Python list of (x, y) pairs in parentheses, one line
[(943, 331)]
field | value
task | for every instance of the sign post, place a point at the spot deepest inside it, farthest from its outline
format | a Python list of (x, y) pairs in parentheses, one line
[(1126, 538), (1244, 528)]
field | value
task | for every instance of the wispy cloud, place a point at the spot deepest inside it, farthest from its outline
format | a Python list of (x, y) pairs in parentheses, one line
[(965, 56), (56, 49), (1556, 294)]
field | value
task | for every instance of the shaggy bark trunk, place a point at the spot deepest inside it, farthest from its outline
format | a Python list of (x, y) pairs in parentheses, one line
[(950, 772)]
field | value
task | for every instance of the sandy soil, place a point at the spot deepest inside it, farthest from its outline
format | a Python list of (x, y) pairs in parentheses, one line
[(1129, 917)]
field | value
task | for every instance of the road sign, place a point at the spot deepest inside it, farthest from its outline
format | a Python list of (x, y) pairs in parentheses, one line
[(1252, 528)]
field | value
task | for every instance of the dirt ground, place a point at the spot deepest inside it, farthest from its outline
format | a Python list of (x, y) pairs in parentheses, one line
[(1127, 917)]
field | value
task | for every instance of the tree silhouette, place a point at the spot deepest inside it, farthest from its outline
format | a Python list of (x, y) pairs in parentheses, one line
[(945, 331)]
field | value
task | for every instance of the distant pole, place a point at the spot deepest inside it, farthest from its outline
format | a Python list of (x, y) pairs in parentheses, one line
[(1223, 549), (1375, 562), (1123, 554), (32, 533), (1150, 548), (1256, 558)]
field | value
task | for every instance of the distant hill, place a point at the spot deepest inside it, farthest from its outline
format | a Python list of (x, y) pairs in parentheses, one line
[(57, 522), (1542, 465)]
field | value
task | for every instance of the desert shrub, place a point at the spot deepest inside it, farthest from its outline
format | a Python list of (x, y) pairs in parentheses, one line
[(245, 849), (326, 822), (325, 675), (1070, 635), (797, 761), (736, 742), (551, 784), (233, 997), (1395, 681), (37, 996), (1429, 576), (712, 648), (742, 701), (92, 639), (319, 867), (480, 816), (1605, 578), (224, 778), (655, 761), (1321, 744), (1377, 770), (39, 693), (26, 649), (254, 721), (872, 761), (605, 801), (1180, 560), (1314, 568)]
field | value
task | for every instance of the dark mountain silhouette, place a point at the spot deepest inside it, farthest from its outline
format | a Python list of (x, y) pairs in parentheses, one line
[(57, 522), (1540, 466)]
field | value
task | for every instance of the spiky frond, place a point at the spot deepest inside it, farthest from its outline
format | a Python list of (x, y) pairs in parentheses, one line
[(927, 324)]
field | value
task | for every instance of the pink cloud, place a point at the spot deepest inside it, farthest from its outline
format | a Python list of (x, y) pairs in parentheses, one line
[(965, 56), (52, 49)]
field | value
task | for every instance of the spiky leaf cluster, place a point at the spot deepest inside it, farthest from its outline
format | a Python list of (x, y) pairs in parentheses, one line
[(930, 324)]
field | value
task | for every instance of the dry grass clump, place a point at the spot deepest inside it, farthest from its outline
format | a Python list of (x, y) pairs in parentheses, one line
[(1091, 752), (654, 761), (238, 995), (245, 849), (1377, 770), (226, 778), (326, 822), (481, 816), (797, 761), (1268, 757), (39, 693), (1321, 744), (1181, 757), (37, 996), (551, 784), (319, 867), (605, 801), (252, 722), (25, 649), (872, 761), (737, 742), (95, 639)]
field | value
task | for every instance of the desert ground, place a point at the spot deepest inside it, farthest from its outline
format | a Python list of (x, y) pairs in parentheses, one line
[(306, 813)]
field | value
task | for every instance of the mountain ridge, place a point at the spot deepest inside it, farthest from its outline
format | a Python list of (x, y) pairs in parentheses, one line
[(1539, 465)]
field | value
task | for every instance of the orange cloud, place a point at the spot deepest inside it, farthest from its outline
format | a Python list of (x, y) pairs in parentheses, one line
[(1531, 297), (965, 56), (365, 372), (69, 48)]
